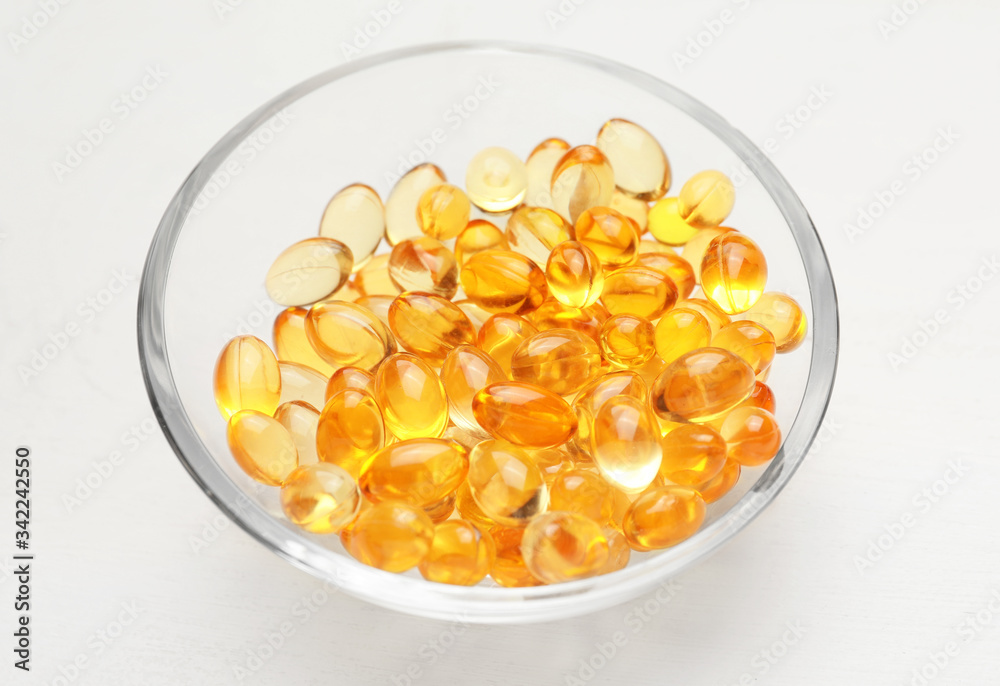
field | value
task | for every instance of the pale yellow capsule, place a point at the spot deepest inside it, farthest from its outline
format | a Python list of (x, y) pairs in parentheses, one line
[(401, 205), (321, 498), (308, 271), (247, 377), (535, 231), (355, 217), (496, 179), (412, 397), (706, 199), (641, 167), (506, 483), (633, 208), (299, 382), (373, 278), (563, 546), (424, 264), (667, 225), (583, 178), (466, 371), (443, 211), (262, 447), (626, 440), (300, 420), (346, 334), (541, 163)]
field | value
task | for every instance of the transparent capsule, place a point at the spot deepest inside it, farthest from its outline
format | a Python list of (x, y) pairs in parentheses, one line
[(477, 236), (641, 167), (560, 360), (582, 179), (503, 281), (377, 305), (469, 510), (583, 492), (346, 334), (424, 264), (355, 217), (574, 274), (291, 343), (633, 208), (535, 231), (628, 340), (321, 498), (349, 377), (626, 440), (611, 385), (694, 249), (679, 331), (667, 225), (783, 317), (642, 291), (401, 205), (299, 382), (350, 430), (752, 434), (443, 211), (350, 292), (411, 397), (506, 484), (300, 420), (508, 569), (460, 554), (496, 179), (501, 334), (552, 461), (612, 236), (429, 326), (618, 551), (563, 546), (701, 385), (442, 509), (706, 199), (692, 454), (308, 271), (733, 272), (418, 471), (466, 371), (670, 263), (719, 485), (750, 341), (762, 397), (391, 535), (477, 315), (523, 414), (540, 164), (663, 517), (715, 317), (262, 447), (373, 278), (247, 377)]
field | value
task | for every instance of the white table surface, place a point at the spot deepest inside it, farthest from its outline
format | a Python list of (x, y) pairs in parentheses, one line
[(121, 562)]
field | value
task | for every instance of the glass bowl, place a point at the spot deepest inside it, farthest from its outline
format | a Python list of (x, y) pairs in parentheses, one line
[(265, 184)]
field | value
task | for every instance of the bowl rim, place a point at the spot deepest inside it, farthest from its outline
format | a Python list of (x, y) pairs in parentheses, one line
[(477, 603)]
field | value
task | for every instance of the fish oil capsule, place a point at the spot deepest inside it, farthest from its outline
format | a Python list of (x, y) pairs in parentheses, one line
[(469, 510), (321, 498), (424, 264), (496, 179), (308, 271), (500, 336), (583, 492), (552, 461), (628, 340), (694, 250), (503, 281), (299, 382), (563, 546), (355, 217), (582, 179), (706, 199), (418, 471), (781, 315), (523, 414), (373, 278), (247, 377), (291, 343), (667, 225), (506, 483), (441, 510), (560, 360), (752, 435), (680, 331), (477, 236), (411, 397), (716, 318), (762, 397), (391, 535), (429, 326), (350, 430), (552, 314), (750, 341), (611, 385), (670, 263), (460, 554), (466, 371), (346, 334), (612, 236), (701, 385), (401, 205), (349, 377), (540, 164), (574, 274), (692, 454), (663, 517), (719, 485), (300, 420), (536, 231), (626, 442), (633, 208), (733, 272), (443, 211), (641, 167), (475, 313), (641, 291), (618, 551), (508, 569), (377, 305), (262, 447)]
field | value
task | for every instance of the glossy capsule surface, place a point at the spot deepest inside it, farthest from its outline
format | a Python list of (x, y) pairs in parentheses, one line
[(346, 334), (733, 272), (540, 164), (377, 305), (401, 205), (503, 281), (466, 371), (509, 569), (392, 535), (301, 421), (350, 429), (692, 454), (262, 447), (247, 377), (612, 236), (475, 313), (373, 278), (424, 264), (441, 510), (349, 377), (469, 509), (715, 317), (641, 291), (501, 334), (671, 264), (308, 271), (679, 331), (552, 314), (302, 383), (706, 199), (783, 317), (418, 471), (560, 360), (762, 397), (460, 554), (750, 341), (694, 249), (524, 414), (582, 179), (663, 517), (477, 236), (701, 385), (443, 211), (584, 492), (535, 231), (721, 484), (667, 225), (411, 397), (291, 343), (355, 216), (626, 443), (640, 165), (589, 401), (321, 498), (506, 483), (628, 340), (563, 546), (496, 179), (752, 434), (429, 326), (633, 208), (619, 551), (574, 274)]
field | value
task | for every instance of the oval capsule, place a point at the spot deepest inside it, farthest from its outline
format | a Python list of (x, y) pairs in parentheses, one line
[(308, 271), (412, 398), (628, 340), (762, 397), (496, 179), (552, 314), (694, 249), (584, 492), (640, 291), (721, 484), (346, 334), (733, 272), (508, 569), (373, 278), (460, 554), (715, 317), (670, 263), (506, 484), (706, 199), (377, 305), (301, 383), (535, 231), (291, 343), (626, 440), (424, 264), (692, 454), (392, 535), (633, 208), (401, 205), (612, 236), (349, 377), (350, 430), (783, 317), (752, 435), (443, 211), (262, 447), (641, 167), (563, 546), (501, 334), (574, 274), (618, 551), (355, 216), (667, 225), (663, 517), (418, 471), (561, 360), (247, 377), (301, 421), (523, 414), (582, 179), (466, 371), (429, 326), (540, 164), (321, 498), (503, 281), (478, 235), (751, 341), (701, 385)]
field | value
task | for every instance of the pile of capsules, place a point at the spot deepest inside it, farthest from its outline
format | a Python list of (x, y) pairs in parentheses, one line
[(530, 403)]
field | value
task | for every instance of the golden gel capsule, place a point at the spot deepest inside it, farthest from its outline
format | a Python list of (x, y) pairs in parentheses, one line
[(574, 274), (501, 334), (424, 264), (667, 225), (300, 383), (443, 211), (321, 498), (503, 281), (373, 278), (752, 435), (642, 291), (477, 315), (618, 551), (540, 164), (496, 179), (477, 236), (418, 471), (349, 377), (392, 535), (583, 178), (506, 483), (583, 492), (263, 448), (429, 326), (626, 439), (560, 360), (701, 385), (460, 554), (466, 371), (692, 454), (715, 317), (719, 485), (247, 377), (350, 430), (301, 421), (694, 249), (670, 263), (750, 341), (563, 546), (355, 217), (612, 236), (552, 461), (468, 509), (411, 397), (442, 509), (535, 231), (706, 199), (523, 414), (308, 271), (733, 272), (508, 569), (378, 305), (552, 314), (663, 517), (291, 343), (628, 340), (401, 205), (783, 317), (611, 385), (633, 208), (346, 334), (762, 397), (641, 167)]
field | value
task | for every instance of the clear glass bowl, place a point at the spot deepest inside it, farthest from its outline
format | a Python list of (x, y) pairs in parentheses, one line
[(266, 183)]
